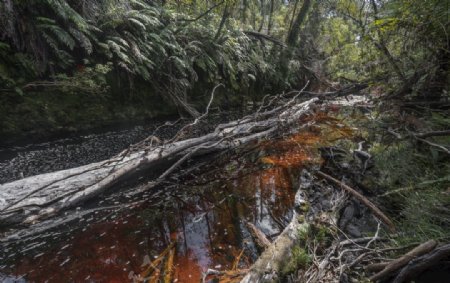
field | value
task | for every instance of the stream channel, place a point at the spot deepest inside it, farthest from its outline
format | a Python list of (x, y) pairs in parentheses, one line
[(198, 221)]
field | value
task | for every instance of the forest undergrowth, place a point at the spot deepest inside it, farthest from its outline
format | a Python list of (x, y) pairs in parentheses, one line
[(406, 176)]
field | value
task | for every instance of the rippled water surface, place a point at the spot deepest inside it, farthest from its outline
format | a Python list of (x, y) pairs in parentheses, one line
[(178, 231), (29, 160)]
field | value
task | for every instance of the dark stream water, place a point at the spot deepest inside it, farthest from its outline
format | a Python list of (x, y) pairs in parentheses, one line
[(196, 223), (31, 159)]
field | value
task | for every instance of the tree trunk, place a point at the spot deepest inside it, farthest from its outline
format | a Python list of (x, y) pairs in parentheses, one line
[(292, 38), (269, 27), (294, 11), (381, 46), (294, 31), (244, 11), (224, 19), (263, 15), (38, 197)]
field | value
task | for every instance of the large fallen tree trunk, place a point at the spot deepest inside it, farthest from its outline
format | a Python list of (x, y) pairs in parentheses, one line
[(34, 198), (268, 266), (309, 210)]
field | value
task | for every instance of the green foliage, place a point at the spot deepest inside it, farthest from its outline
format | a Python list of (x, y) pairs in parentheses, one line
[(145, 42), (321, 234), (172, 47), (15, 69), (394, 162), (346, 56), (398, 41), (89, 80), (416, 181), (299, 259)]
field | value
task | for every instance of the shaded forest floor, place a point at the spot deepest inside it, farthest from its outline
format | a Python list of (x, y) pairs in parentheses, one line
[(404, 170)]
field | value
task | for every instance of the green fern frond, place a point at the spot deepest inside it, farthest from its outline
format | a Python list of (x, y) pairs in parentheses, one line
[(65, 59), (84, 41), (138, 4), (138, 24), (106, 49), (44, 20), (143, 72), (51, 42), (125, 67), (4, 46), (148, 63), (180, 65), (63, 36), (136, 51), (116, 49), (156, 38), (131, 37), (149, 21), (124, 44), (63, 10)]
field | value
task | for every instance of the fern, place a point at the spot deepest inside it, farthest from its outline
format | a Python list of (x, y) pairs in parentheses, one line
[(82, 39), (138, 24), (147, 20), (138, 4), (44, 20), (123, 43), (63, 36)]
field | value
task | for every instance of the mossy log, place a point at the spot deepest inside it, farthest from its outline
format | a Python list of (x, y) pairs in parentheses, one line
[(269, 265)]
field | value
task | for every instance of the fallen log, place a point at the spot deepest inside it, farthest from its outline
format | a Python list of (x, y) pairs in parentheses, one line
[(343, 92), (38, 197), (268, 266), (402, 261), (376, 267), (308, 212), (420, 264)]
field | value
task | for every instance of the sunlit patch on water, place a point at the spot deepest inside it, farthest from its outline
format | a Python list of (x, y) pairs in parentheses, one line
[(177, 235)]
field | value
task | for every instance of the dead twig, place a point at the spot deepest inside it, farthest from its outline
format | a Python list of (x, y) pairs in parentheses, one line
[(237, 260), (260, 238), (362, 199), (198, 119), (441, 147), (433, 134)]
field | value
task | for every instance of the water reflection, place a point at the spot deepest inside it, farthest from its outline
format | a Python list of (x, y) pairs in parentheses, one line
[(205, 218), (208, 226)]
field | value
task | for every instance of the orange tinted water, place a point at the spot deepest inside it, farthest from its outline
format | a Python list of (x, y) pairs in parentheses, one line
[(207, 223)]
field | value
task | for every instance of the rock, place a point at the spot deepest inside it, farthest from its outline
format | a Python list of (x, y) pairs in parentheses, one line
[(353, 231)]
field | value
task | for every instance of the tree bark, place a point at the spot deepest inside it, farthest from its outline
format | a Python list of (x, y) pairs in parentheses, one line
[(277, 254), (402, 261), (263, 15), (294, 31), (422, 263), (269, 27), (38, 197), (224, 19), (381, 45)]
